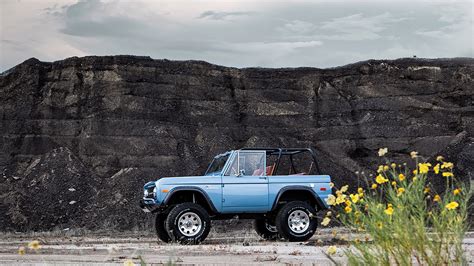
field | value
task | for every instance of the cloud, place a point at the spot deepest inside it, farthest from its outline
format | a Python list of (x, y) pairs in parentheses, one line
[(235, 33), (359, 27), (453, 22), (221, 15), (270, 47), (93, 18), (297, 27), (355, 27)]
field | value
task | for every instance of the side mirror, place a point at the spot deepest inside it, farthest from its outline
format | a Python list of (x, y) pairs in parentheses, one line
[(241, 173)]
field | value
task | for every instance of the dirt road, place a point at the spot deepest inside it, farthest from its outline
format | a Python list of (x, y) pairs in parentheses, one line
[(242, 248)]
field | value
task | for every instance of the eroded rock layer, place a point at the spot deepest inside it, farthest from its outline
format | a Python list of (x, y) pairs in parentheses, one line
[(80, 136)]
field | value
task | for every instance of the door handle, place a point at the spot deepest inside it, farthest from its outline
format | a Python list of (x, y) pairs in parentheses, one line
[(262, 177)]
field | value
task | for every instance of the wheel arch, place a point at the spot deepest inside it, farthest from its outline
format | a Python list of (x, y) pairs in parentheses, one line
[(298, 193), (190, 194)]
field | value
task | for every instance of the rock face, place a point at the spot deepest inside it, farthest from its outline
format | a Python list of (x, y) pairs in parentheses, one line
[(79, 137)]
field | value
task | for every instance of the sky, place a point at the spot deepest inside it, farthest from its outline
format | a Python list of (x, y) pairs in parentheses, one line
[(236, 33)]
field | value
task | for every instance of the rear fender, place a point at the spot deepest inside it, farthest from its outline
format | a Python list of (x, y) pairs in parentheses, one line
[(314, 197)]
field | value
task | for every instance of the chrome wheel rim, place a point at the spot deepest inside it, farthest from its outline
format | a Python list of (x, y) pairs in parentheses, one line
[(189, 224), (298, 221)]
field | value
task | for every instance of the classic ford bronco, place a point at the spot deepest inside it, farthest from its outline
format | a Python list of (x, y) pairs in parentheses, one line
[(280, 188)]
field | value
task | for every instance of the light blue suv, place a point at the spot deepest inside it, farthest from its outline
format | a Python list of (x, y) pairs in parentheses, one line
[(281, 188)]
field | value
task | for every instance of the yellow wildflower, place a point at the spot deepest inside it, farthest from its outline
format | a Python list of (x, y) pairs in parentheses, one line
[(439, 158), (457, 191), (331, 200), (436, 168), (389, 210), (348, 209), (360, 190), (380, 169), (401, 177), (128, 263), (394, 183), (437, 198), (413, 154), (452, 205), (21, 251), (448, 174), (426, 190), (380, 179), (344, 188), (380, 225), (447, 165), (35, 245), (354, 197), (348, 203), (393, 165), (331, 184), (325, 221), (415, 171), (340, 199), (382, 151), (329, 213), (400, 191), (331, 250), (424, 167), (374, 186), (385, 168), (414, 178)]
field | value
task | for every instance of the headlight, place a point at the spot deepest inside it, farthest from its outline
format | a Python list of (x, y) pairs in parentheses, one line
[(149, 192)]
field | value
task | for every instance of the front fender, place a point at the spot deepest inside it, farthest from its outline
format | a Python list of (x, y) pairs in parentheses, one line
[(173, 191)]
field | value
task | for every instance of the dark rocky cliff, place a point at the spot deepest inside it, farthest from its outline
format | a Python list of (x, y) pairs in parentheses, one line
[(80, 136)]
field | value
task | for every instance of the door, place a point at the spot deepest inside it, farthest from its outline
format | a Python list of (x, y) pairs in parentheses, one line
[(245, 183)]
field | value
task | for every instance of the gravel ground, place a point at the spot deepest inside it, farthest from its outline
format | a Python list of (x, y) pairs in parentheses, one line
[(241, 247)]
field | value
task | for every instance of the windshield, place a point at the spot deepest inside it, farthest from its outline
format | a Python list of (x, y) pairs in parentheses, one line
[(217, 165)]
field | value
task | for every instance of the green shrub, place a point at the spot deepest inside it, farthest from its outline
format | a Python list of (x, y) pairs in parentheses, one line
[(402, 217)]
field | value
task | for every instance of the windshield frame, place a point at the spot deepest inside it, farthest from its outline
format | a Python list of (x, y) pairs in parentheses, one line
[(218, 157)]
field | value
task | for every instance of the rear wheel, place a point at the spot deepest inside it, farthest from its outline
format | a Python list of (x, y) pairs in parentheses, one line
[(160, 228), (296, 221), (188, 223), (266, 229)]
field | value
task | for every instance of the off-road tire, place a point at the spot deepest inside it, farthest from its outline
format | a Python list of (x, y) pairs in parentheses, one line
[(160, 228), (176, 216), (296, 209), (261, 227)]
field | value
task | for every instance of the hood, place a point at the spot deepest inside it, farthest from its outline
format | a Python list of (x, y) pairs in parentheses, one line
[(190, 180)]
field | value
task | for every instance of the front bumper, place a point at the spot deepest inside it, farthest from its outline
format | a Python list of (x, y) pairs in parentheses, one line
[(148, 205)]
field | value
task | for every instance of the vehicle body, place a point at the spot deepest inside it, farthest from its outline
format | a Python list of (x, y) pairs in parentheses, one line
[(250, 183)]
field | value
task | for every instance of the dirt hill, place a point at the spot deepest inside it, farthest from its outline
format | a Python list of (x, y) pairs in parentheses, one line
[(79, 137)]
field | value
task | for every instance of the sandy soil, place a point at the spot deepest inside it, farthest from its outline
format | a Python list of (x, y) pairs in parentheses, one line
[(240, 247)]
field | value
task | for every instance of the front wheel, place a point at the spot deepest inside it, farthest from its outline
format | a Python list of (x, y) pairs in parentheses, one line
[(296, 221), (188, 223), (160, 228), (266, 229)]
